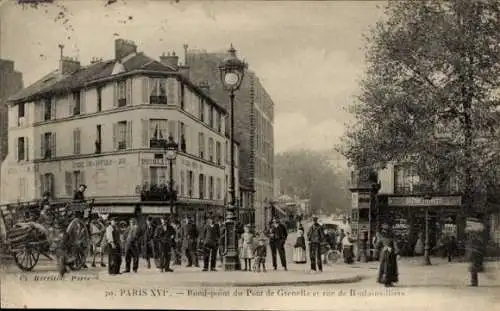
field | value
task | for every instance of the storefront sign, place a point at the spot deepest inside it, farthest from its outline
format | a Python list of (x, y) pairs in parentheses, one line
[(155, 209), (147, 162), (455, 201), (98, 163), (113, 209)]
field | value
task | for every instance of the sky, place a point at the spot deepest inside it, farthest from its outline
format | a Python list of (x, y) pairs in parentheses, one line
[(309, 55)]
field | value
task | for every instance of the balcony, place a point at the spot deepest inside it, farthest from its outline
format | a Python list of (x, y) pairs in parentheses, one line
[(157, 193), (157, 143), (122, 145), (158, 100)]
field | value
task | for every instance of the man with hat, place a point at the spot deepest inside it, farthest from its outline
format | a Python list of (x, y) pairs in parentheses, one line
[(148, 241), (115, 252), (315, 236), (165, 236), (210, 241), (189, 237), (277, 238), (132, 243)]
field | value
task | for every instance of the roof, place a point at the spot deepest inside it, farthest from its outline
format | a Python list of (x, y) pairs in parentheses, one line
[(54, 82)]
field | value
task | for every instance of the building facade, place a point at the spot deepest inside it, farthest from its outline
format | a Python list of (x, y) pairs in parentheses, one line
[(254, 126), (105, 125)]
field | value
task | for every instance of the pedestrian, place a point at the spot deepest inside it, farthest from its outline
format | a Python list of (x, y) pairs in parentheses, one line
[(260, 254), (340, 238), (189, 237), (277, 238), (178, 243), (246, 247), (79, 195), (165, 235), (115, 252), (388, 269), (451, 248), (132, 243), (148, 241), (347, 249), (315, 236), (210, 239), (222, 232), (419, 246), (299, 249)]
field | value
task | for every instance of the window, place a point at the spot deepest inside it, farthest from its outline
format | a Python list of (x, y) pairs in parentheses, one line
[(190, 184), (21, 149), (77, 179), (219, 188), (201, 145), (183, 183), (211, 149), (218, 121), (211, 116), (201, 108), (182, 96), (182, 134), (76, 103), (48, 146), (227, 188), (99, 99), (227, 152), (76, 141), (98, 141), (122, 93), (158, 92), (405, 179), (211, 188), (158, 133), (47, 109), (158, 175), (47, 184), (218, 153), (21, 110), (122, 135), (201, 184)]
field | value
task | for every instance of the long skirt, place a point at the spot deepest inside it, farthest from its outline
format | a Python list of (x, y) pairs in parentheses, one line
[(299, 255), (246, 251), (348, 254)]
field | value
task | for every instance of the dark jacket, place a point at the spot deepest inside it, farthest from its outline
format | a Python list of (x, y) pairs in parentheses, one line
[(278, 234), (147, 240), (189, 235), (300, 242), (388, 270), (78, 196), (316, 234), (132, 240), (260, 251), (211, 235), (165, 236)]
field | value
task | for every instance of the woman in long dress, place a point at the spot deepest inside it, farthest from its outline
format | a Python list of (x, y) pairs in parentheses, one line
[(419, 246), (246, 248), (388, 270), (299, 249)]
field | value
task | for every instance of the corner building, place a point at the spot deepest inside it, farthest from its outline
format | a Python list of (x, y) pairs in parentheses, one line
[(105, 125)]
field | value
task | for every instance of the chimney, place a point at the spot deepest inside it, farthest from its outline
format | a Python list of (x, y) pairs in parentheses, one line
[(124, 48), (68, 65), (170, 60), (184, 70)]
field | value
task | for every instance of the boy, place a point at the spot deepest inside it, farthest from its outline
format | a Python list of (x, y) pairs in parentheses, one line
[(260, 253)]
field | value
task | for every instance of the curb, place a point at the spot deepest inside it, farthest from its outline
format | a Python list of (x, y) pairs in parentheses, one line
[(345, 280)]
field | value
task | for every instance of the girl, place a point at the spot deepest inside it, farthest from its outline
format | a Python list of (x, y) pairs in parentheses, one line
[(299, 250), (246, 243)]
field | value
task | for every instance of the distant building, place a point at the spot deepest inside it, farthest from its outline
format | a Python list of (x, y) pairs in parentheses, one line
[(106, 125), (254, 125), (277, 187)]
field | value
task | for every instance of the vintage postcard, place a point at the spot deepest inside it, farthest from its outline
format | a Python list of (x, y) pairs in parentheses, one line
[(250, 155)]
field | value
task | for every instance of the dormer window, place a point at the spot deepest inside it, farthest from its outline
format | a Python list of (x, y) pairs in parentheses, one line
[(20, 114), (47, 109), (76, 103), (122, 93)]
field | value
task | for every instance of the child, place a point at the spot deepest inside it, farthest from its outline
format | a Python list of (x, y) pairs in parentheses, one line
[(299, 249), (260, 254), (247, 247)]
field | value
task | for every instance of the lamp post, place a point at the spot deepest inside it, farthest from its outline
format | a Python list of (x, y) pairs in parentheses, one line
[(427, 258), (232, 71), (171, 154)]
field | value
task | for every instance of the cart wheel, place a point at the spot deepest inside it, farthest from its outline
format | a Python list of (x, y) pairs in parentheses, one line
[(79, 248), (26, 259)]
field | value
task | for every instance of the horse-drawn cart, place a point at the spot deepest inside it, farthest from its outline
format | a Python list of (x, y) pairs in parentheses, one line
[(63, 233)]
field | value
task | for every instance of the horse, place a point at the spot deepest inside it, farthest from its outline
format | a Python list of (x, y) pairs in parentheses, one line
[(98, 241)]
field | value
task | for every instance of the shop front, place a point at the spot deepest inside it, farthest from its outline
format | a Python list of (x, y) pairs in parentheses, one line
[(406, 215)]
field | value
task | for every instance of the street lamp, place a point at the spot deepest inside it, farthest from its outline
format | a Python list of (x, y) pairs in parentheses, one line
[(171, 154), (232, 71), (427, 258)]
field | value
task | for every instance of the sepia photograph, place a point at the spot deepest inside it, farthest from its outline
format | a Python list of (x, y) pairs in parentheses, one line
[(250, 154)]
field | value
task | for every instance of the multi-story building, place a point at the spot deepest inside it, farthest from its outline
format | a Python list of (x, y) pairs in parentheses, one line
[(254, 121), (105, 125)]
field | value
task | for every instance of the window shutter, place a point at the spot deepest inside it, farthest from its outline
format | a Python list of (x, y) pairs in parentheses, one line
[(41, 184), (115, 95), (128, 88), (187, 137), (15, 151), (115, 136), (172, 129), (26, 150), (53, 146), (76, 141), (53, 108), (145, 133), (42, 146), (51, 185), (71, 104), (179, 132), (39, 111), (172, 92), (68, 183), (129, 135), (145, 174), (145, 90)]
